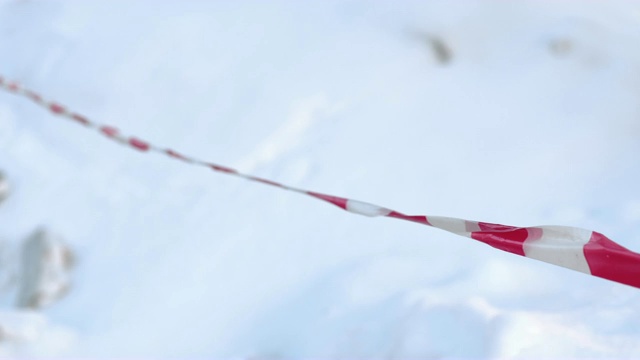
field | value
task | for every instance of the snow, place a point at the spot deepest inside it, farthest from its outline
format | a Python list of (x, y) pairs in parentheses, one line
[(533, 121)]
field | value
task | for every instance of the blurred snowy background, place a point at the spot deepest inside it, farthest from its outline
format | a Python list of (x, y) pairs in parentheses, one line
[(524, 113)]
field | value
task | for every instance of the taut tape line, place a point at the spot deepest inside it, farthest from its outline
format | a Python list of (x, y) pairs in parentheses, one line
[(578, 249)]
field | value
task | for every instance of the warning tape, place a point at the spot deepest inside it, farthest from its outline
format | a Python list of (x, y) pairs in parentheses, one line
[(582, 250)]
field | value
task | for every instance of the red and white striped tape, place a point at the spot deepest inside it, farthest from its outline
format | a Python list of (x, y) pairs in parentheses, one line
[(583, 250)]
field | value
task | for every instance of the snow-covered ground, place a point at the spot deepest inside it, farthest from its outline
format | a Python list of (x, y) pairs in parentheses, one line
[(535, 119)]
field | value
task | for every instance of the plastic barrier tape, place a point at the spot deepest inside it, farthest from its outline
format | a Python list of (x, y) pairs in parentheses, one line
[(583, 250)]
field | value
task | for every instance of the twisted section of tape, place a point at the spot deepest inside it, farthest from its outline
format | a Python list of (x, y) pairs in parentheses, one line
[(582, 250)]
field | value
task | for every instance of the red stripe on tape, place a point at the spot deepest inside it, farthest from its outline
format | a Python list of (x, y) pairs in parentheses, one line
[(335, 200), (223, 169), (503, 237), (265, 181), (421, 219), (175, 154), (139, 144), (57, 108), (611, 261), (81, 119), (109, 131)]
